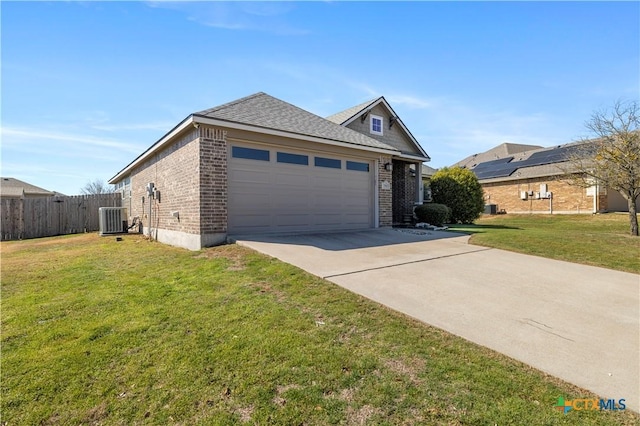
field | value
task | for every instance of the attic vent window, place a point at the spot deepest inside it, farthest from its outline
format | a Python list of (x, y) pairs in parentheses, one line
[(375, 125)]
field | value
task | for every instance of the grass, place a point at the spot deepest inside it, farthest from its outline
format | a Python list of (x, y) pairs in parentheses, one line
[(598, 240), (96, 331)]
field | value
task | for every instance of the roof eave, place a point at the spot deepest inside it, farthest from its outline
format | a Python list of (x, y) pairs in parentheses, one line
[(200, 119), (420, 158), (162, 142), (399, 121), (252, 128)]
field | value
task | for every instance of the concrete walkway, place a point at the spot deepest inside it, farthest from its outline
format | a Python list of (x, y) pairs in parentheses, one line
[(576, 322)]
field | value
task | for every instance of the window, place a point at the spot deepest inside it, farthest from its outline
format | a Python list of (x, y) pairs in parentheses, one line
[(284, 157), (124, 187), (327, 162), (375, 125), (250, 153), (359, 167)]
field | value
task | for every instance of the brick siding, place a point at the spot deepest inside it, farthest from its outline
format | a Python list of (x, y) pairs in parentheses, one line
[(404, 191), (191, 176), (213, 182), (566, 198), (384, 195), (172, 172)]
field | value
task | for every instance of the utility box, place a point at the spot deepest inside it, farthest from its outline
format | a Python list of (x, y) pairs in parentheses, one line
[(524, 195), (490, 209), (113, 220)]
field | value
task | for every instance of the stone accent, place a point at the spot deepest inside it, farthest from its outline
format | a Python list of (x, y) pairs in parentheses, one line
[(385, 214), (565, 199)]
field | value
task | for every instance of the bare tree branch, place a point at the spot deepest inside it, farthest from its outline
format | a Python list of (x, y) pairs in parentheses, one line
[(96, 187), (612, 158)]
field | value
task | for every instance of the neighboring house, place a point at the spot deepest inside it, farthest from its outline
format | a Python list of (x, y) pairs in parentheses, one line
[(531, 179), (15, 188), (427, 173), (260, 165)]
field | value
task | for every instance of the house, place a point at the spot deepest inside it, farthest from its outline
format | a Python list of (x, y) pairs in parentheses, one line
[(427, 173), (261, 165), (15, 188), (531, 179)]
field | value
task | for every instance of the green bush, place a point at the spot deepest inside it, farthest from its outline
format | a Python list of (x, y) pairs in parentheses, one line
[(460, 190), (433, 214)]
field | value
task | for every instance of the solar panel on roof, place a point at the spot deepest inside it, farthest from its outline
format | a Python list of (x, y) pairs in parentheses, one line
[(495, 173), (491, 163), (503, 167)]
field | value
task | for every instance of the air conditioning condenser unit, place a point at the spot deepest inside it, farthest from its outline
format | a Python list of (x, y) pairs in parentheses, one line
[(113, 220)]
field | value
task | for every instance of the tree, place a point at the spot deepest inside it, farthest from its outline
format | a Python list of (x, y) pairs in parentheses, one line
[(96, 187), (460, 190), (612, 158)]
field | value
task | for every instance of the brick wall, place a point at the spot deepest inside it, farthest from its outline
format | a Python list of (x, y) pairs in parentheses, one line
[(175, 173), (213, 181), (385, 193), (191, 176), (404, 191), (566, 198)]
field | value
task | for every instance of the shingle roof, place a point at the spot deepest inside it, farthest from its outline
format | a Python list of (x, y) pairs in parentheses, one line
[(343, 116), (428, 171), (500, 151), (524, 164), (11, 187), (262, 110)]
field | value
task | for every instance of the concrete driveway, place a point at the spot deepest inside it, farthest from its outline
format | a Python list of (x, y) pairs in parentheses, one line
[(576, 322)]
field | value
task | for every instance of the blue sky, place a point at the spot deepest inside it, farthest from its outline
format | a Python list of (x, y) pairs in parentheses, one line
[(87, 86)]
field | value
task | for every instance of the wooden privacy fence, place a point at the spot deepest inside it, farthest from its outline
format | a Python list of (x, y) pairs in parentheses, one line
[(24, 218)]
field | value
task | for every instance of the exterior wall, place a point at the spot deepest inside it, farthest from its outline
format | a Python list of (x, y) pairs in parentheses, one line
[(404, 191), (172, 172), (566, 198), (385, 202), (190, 176), (617, 203), (213, 185), (394, 136)]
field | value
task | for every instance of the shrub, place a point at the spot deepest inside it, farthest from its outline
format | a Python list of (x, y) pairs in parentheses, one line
[(433, 213), (460, 190)]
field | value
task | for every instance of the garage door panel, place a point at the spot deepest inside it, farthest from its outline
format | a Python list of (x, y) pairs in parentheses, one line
[(329, 219), (291, 179), (250, 221), (271, 196), (289, 220), (247, 176)]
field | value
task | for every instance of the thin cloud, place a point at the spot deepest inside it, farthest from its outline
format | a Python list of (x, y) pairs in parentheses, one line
[(267, 17), (160, 126), (12, 136), (409, 101)]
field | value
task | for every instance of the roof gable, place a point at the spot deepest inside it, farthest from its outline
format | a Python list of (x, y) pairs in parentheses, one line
[(348, 116), (264, 111)]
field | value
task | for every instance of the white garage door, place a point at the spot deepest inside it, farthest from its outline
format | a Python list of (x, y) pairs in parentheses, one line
[(284, 190)]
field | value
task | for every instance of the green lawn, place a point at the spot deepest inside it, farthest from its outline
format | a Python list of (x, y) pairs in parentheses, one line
[(599, 240), (96, 331)]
